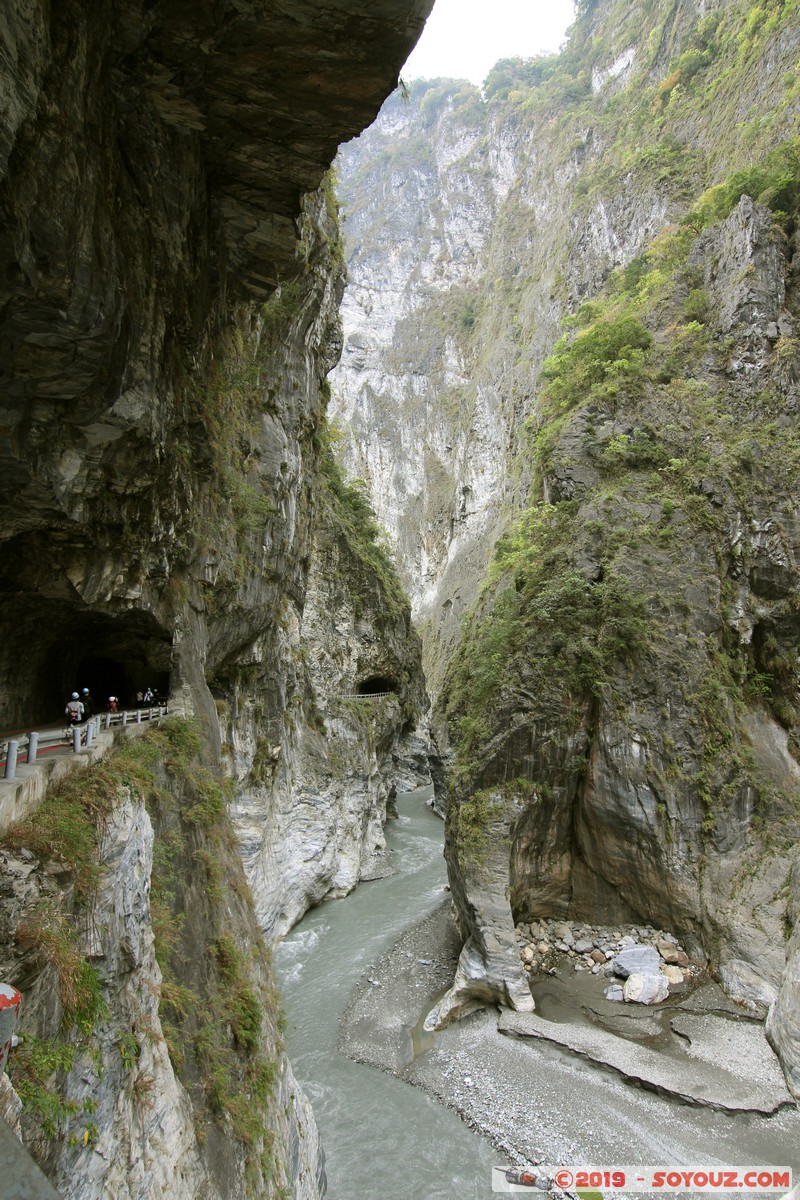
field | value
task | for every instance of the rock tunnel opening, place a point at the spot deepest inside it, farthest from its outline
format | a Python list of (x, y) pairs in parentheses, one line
[(376, 685), (110, 656), (58, 650)]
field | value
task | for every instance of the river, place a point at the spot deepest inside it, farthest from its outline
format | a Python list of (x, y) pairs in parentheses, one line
[(382, 1137)]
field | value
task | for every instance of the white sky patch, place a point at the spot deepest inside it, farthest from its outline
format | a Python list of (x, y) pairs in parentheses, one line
[(463, 39)]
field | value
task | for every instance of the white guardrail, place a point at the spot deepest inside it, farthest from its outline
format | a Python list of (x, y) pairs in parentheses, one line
[(73, 737)]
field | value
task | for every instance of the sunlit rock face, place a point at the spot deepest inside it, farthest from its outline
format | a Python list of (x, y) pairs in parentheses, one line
[(646, 772), (168, 315)]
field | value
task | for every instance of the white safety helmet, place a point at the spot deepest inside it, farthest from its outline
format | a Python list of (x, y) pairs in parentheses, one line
[(74, 695)]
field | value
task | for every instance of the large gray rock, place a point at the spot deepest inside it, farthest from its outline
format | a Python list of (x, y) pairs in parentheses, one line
[(645, 989), (640, 960), (747, 987)]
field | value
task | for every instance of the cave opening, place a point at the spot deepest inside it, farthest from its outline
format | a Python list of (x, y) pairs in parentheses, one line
[(119, 657), (376, 685), (58, 650), (53, 643)]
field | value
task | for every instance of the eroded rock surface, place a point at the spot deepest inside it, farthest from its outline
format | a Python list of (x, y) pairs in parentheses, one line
[(168, 315), (621, 704)]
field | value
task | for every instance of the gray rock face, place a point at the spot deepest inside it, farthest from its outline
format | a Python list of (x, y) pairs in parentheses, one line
[(311, 809), (636, 814), (144, 1138), (783, 1022)]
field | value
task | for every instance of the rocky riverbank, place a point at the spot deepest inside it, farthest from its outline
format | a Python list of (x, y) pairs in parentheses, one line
[(644, 965), (584, 1078)]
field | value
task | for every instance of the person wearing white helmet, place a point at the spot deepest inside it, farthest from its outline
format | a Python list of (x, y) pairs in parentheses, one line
[(74, 709), (87, 702)]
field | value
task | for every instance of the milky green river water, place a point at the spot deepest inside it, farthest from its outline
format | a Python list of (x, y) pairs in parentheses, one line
[(384, 1140)]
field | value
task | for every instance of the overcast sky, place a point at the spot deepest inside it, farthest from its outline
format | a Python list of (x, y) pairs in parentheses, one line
[(463, 39)]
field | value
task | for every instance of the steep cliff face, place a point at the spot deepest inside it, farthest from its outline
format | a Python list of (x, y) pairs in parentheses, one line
[(152, 1055), (474, 225), (168, 309), (317, 760), (420, 192), (622, 702), (151, 181)]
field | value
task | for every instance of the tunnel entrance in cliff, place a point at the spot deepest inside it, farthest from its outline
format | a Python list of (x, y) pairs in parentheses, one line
[(119, 657), (52, 643), (376, 685), (66, 650)]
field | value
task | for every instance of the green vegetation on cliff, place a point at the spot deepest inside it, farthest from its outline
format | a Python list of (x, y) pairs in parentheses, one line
[(218, 1010), (348, 513), (643, 450)]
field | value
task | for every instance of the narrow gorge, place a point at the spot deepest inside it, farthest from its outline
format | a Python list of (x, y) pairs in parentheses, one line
[(570, 380), (471, 458)]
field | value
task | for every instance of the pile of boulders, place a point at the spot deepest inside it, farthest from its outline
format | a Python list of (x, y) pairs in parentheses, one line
[(643, 963)]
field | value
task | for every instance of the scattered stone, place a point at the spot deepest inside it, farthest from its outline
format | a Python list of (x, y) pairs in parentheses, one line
[(641, 950), (614, 992), (645, 989)]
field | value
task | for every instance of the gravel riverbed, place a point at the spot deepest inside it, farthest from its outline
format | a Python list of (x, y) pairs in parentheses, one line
[(573, 1089)]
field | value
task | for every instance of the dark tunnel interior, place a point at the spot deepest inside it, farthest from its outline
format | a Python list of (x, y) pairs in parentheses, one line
[(55, 651), (374, 685), (109, 657)]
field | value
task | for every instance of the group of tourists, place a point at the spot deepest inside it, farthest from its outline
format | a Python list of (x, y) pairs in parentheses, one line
[(80, 706)]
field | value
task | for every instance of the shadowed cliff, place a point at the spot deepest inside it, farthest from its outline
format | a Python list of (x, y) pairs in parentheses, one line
[(168, 315)]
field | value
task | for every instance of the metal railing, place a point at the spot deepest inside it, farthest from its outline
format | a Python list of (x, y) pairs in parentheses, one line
[(73, 737), (364, 695)]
